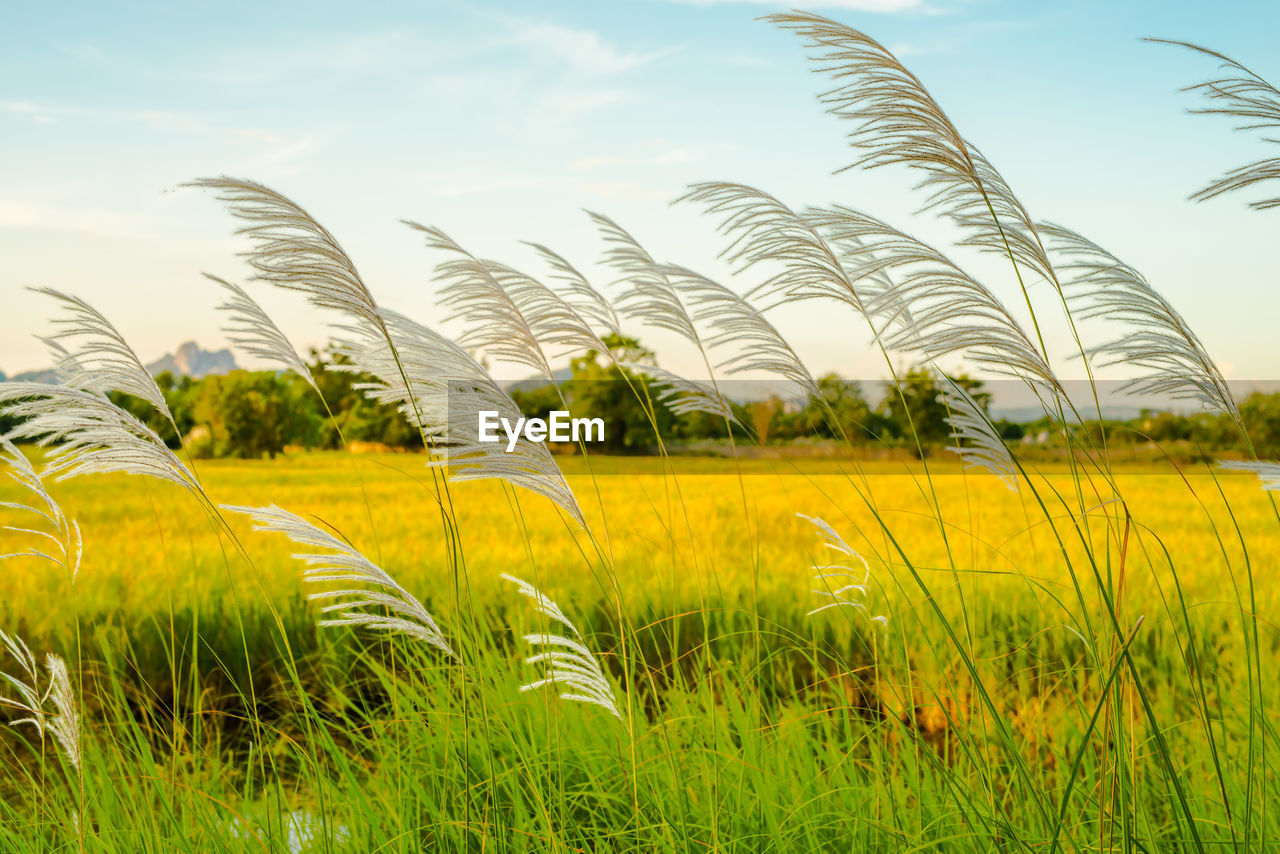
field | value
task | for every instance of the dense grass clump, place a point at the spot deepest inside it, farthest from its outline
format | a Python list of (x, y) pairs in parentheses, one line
[(475, 649)]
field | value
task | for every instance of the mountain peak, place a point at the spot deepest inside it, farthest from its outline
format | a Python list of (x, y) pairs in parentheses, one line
[(190, 360)]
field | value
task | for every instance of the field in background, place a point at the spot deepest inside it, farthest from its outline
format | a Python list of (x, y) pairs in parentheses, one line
[(147, 547), (712, 537)]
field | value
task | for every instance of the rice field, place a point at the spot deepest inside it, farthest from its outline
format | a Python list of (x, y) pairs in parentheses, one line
[(529, 652), (744, 724), (679, 531)]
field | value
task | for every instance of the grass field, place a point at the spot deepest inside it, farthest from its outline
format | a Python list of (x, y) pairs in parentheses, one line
[(736, 655), (746, 725), (675, 535)]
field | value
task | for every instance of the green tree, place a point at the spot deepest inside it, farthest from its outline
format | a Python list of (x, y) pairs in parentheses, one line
[(252, 414), (915, 414), (840, 411), (1261, 415), (599, 388), (359, 418)]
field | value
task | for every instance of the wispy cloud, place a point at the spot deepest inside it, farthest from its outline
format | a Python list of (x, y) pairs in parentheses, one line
[(960, 38), (561, 106), (858, 5), (359, 54), (96, 221), (664, 155), (453, 185), (258, 147), (584, 49), (164, 121), (631, 190)]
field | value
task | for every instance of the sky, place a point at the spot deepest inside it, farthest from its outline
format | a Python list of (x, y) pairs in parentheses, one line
[(503, 122)]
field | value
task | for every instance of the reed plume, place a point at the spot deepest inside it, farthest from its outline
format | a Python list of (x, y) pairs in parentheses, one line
[(937, 309), (566, 661), (853, 590), (978, 443), (733, 321), (1244, 95), (510, 315), (1158, 339), (647, 295), (762, 231), (897, 122), (290, 249), (590, 303), (63, 534), (252, 330), (53, 711), (376, 601), (1268, 472), (104, 361), (651, 297), (88, 434), (434, 382), (441, 388)]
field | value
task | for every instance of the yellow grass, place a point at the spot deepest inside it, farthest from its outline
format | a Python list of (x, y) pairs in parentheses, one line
[(676, 540)]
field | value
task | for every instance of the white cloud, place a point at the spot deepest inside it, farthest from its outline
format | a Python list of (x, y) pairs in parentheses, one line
[(257, 146), (662, 155), (564, 105), (632, 190), (164, 121), (584, 49), (361, 54), (858, 5), (451, 185), (97, 221)]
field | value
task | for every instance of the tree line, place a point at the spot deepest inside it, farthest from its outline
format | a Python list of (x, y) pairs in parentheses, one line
[(256, 414)]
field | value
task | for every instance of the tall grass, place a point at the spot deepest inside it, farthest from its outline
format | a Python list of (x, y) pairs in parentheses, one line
[(805, 721)]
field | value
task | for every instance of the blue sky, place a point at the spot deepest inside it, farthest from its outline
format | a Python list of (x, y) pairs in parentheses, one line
[(500, 122)]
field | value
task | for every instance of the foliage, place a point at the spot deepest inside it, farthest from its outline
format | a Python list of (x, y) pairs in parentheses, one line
[(1079, 662)]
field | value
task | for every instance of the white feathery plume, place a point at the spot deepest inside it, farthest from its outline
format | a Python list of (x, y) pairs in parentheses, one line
[(30, 698), (290, 249), (53, 711), (1268, 472), (1159, 341), (652, 298), (510, 315), (649, 297), (566, 661), (897, 122), (763, 230), (1244, 95), (253, 331), (979, 445), (332, 561), (939, 309), (65, 536), (449, 389), (89, 434), (66, 367), (682, 395), (104, 361), (734, 321), (578, 291), (64, 723), (854, 589)]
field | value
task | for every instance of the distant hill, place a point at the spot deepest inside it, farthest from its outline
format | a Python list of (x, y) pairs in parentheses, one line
[(534, 383), (194, 362), (44, 375), (190, 360)]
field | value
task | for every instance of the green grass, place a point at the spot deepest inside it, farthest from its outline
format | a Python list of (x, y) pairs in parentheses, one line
[(977, 722)]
